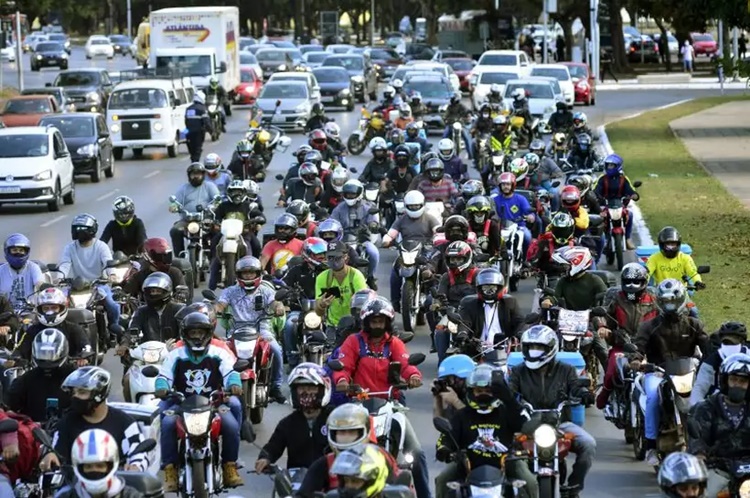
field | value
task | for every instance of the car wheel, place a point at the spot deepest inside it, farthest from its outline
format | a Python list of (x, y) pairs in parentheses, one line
[(64, 67), (96, 175), (70, 197), (350, 107), (34, 69), (110, 172), (117, 153), (137, 153), (56, 203), (172, 150), (88, 57)]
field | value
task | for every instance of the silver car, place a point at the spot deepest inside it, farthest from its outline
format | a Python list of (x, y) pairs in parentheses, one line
[(286, 104)]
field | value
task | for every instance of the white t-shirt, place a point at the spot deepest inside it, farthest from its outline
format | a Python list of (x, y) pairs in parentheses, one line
[(687, 52), (18, 285), (89, 263), (491, 324)]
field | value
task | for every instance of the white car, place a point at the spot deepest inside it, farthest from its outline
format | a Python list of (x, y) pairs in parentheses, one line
[(503, 60), (98, 46), (561, 73), (314, 59), (540, 95), (32, 40), (36, 167), (484, 80), (248, 59), (313, 88), (8, 53), (437, 67)]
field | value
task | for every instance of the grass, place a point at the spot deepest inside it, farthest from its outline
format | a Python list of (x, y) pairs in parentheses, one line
[(6, 93), (684, 195)]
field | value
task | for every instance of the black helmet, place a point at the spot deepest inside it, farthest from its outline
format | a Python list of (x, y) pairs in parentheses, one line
[(738, 365), (123, 209), (456, 227), (157, 289), (669, 241), (679, 469), (733, 330), (193, 169), (93, 379), (285, 227), (300, 209), (472, 188), (49, 349), (302, 152), (561, 106), (317, 109), (455, 98), (633, 279), (378, 306), (200, 322), (84, 227), (401, 155), (359, 299), (199, 307), (434, 169)]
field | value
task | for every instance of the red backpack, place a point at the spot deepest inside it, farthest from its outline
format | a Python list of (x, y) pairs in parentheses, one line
[(28, 448)]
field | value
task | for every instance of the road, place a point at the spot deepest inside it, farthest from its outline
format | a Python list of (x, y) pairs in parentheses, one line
[(151, 180)]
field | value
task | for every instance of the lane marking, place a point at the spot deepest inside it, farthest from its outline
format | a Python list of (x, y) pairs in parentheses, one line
[(108, 194), (152, 174), (52, 221)]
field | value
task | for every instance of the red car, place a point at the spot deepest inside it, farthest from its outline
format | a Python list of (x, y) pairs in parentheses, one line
[(462, 67), (704, 44), (249, 88), (584, 83)]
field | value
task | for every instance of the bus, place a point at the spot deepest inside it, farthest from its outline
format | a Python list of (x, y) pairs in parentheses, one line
[(472, 33)]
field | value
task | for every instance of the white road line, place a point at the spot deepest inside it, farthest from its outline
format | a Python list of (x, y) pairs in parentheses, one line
[(108, 194), (52, 221), (152, 174)]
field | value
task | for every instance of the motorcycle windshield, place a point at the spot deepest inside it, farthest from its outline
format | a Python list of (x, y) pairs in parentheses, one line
[(679, 366), (614, 204), (374, 404), (411, 245), (196, 404), (485, 478)]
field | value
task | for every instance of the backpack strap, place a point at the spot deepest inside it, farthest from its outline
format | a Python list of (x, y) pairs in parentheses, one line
[(364, 350), (487, 225), (622, 186)]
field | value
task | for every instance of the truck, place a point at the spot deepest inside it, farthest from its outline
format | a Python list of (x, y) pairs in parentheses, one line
[(199, 42)]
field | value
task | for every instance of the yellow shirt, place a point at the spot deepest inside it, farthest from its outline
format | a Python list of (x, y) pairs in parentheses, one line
[(661, 268)]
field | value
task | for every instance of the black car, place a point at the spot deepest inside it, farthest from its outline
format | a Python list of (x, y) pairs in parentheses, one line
[(648, 46), (362, 73), (272, 60), (88, 89), (87, 138), (436, 91), (49, 54), (121, 44), (63, 102), (419, 52), (336, 87), (62, 39), (385, 59)]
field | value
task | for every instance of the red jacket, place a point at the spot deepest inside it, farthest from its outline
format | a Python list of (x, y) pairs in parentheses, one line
[(368, 370)]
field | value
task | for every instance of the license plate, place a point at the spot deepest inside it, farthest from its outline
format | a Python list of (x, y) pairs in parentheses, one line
[(327, 99), (278, 118), (10, 190)]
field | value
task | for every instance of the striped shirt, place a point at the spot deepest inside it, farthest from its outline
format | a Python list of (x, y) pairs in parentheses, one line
[(444, 191)]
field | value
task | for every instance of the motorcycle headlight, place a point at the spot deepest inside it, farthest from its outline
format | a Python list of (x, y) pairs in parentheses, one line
[(358, 79), (193, 227), (93, 97), (615, 214), (212, 108), (545, 436), (312, 320), (80, 300), (683, 384), (151, 356), (493, 491), (744, 490), (86, 150), (245, 349), (196, 424)]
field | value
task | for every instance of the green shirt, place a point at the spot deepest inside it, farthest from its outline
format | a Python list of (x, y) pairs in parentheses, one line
[(353, 281), (580, 293)]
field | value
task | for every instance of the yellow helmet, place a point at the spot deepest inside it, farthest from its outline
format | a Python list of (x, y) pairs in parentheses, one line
[(264, 137), (362, 470), (348, 417)]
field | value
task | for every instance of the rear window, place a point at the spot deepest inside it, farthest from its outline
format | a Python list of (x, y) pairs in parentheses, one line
[(330, 75), (71, 128), (316, 57), (247, 58), (499, 78), (100, 42), (498, 60), (28, 106), (461, 64), (557, 73), (49, 47), (702, 38), (533, 91)]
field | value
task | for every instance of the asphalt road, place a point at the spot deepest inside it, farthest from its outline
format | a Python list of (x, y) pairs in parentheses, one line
[(151, 180)]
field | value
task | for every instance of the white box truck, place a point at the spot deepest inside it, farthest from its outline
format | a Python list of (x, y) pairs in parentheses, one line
[(200, 42)]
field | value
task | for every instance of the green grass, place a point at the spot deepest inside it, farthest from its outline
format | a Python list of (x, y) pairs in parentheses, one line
[(684, 195)]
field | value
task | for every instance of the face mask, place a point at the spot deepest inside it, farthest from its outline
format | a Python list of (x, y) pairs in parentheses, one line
[(730, 349), (376, 333), (536, 353), (336, 264), (736, 394), (479, 218), (84, 237), (82, 406), (484, 399)]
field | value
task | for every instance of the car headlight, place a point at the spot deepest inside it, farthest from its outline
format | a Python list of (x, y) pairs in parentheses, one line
[(115, 128), (345, 91), (281, 67), (38, 57), (745, 488), (196, 424), (193, 227), (545, 436), (93, 97), (302, 108), (86, 150), (44, 175), (358, 79), (64, 56), (312, 320), (158, 127)]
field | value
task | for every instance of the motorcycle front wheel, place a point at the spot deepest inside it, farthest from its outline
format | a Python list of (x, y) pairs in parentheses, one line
[(198, 471), (617, 240), (409, 308), (193, 255), (229, 262), (355, 145), (639, 437)]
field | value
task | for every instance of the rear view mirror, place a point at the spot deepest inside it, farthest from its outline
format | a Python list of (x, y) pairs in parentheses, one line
[(406, 337), (241, 365), (637, 183), (144, 447), (335, 365), (209, 294), (8, 425), (702, 270), (279, 177), (442, 425), (416, 359)]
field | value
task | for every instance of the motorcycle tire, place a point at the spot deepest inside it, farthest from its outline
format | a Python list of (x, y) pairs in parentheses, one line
[(408, 313), (513, 283), (193, 256), (198, 471), (547, 487), (639, 438), (618, 242), (229, 262), (355, 145)]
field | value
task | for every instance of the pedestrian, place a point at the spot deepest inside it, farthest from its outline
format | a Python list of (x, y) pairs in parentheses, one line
[(197, 123), (688, 56), (560, 48), (742, 44), (606, 65), (662, 44)]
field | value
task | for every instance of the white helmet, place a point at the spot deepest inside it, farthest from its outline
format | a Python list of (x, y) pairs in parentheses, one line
[(397, 85), (95, 446), (446, 149), (378, 143), (332, 130), (414, 204), (339, 177), (51, 296), (518, 94), (496, 88), (405, 110), (310, 374), (539, 335), (389, 92)]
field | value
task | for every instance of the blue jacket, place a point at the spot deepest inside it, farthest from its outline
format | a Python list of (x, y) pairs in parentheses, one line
[(455, 168)]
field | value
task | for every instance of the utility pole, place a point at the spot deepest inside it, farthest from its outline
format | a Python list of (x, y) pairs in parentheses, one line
[(372, 22)]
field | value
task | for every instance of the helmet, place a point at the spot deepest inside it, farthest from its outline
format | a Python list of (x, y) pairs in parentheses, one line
[(670, 242), (359, 299), (416, 98), (456, 228), (339, 177), (252, 189), (93, 379), (539, 346), (200, 307), (446, 149), (157, 289), (300, 209), (315, 157), (402, 155), (472, 188), (301, 152), (193, 322), (308, 173), (397, 85), (414, 204), (434, 170), (733, 330), (314, 251), (490, 285), (681, 468), (317, 109), (158, 253), (562, 226), (405, 110), (581, 182), (737, 364), (671, 297), (495, 90), (458, 255), (352, 192), (458, 365), (309, 374), (537, 146), (22, 245), (377, 306), (499, 122), (332, 130), (519, 167), (561, 106), (579, 120), (348, 417), (330, 229), (396, 136), (485, 110), (51, 296), (194, 169), (49, 349), (123, 210), (318, 140), (570, 198), (212, 163), (455, 98), (244, 148), (363, 464), (507, 178), (533, 160), (95, 446), (613, 165), (237, 192), (481, 378), (84, 227), (388, 92), (412, 130), (584, 142), (577, 258), (633, 279), (479, 208), (214, 83), (248, 264), (518, 94), (378, 147), (426, 157)]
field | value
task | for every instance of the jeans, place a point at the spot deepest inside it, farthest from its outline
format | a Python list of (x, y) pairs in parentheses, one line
[(584, 446), (113, 309), (290, 338), (6, 489), (518, 469), (442, 342), (373, 256), (554, 195), (395, 288), (526, 239), (213, 278), (629, 225), (278, 360), (230, 432), (651, 384), (195, 141), (600, 351), (448, 133), (419, 469)]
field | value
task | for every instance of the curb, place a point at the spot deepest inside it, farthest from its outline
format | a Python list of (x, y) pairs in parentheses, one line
[(671, 86)]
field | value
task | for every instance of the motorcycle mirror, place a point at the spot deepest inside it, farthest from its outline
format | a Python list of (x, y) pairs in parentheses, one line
[(532, 318), (279, 177), (199, 208), (443, 425), (41, 437), (281, 295), (482, 257), (78, 284), (5, 316), (295, 261), (278, 103), (637, 183), (353, 169), (52, 267), (8, 425), (454, 317), (111, 263), (599, 311), (335, 365), (702, 270), (373, 211), (629, 347), (172, 198), (416, 358), (241, 365), (406, 337), (440, 229), (208, 294), (150, 371), (144, 446)]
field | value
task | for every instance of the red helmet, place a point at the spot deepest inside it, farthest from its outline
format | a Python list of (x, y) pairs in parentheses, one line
[(570, 197), (158, 253), (318, 140), (508, 177)]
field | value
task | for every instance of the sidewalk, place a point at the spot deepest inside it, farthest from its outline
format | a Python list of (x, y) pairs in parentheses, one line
[(719, 138), (671, 81)]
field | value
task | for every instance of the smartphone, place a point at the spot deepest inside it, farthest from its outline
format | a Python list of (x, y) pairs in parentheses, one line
[(332, 291)]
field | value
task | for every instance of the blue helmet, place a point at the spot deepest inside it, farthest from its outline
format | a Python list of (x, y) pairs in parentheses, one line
[(330, 225), (17, 240), (459, 365), (613, 165)]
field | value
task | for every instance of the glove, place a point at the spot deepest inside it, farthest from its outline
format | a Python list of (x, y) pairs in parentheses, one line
[(443, 454), (588, 398), (700, 285), (236, 390)]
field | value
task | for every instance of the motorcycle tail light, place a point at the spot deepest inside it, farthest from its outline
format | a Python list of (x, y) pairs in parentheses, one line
[(215, 427)]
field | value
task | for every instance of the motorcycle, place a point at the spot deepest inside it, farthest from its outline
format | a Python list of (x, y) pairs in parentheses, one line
[(511, 266), (198, 234), (410, 263), (573, 327), (738, 469), (147, 359), (369, 127), (466, 342), (314, 346), (214, 115), (614, 229)]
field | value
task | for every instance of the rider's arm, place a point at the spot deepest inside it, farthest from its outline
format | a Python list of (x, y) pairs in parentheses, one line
[(366, 173), (628, 190), (704, 381), (582, 220), (400, 354), (107, 232), (393, 231), (277, 444), (165, 380), (348, 356), (700, 429), (78, 339), (137, 322), (66, 260), (516, 317), (7, 307), (17, 394), (226, 367), (140, 233), (316, 479), (689, 269)]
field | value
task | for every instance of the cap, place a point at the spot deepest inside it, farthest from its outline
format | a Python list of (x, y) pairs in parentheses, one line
[(337, 248)]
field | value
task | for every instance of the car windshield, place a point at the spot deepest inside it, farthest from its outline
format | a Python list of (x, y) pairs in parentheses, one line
[(57, 37), (578, 72), (498, 60), (340, 49), (316, 57), (429, 89), (119, 39), (138, 98), (456, 53), (28, 106), (71, 128), (77, 79), (284, 92), (553, 72), (24, 145), (247, 58), (383, 54), (192, 65), (533, 91), (461, 64), (429, 69), (348, 63), (331, 75), (247, 76), (270, 55), (499, 78), (100, 41), (702, 38), (49, 47)]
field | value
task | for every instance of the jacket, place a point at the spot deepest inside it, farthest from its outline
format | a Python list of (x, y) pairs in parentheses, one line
[(303, 444), (660, 340), (78, 339), (375, 171), (630, 315), (424, 145), (712, 434), (612, 188), (126, 238), (28, 394), (153, 325), (296, 189), (401, 183), (548, 386), (455, 112), (471, 310), (707, 378), (7, 307), (369, 368), (581, 160), (354, 217), (488, 234), (316, 123), (196, 119), (561, 121), (455, 168), (540, 253), (455, 286)]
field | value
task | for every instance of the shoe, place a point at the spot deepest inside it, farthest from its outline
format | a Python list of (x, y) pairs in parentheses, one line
[(170, 479), (629, 245), (232, 478), (277, 396), (652, 458), (247, 433)]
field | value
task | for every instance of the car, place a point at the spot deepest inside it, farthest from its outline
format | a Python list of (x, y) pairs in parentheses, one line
[(253, 49), (62, 99), (36, 167), (97, 46), (282, 44), (121, 44), (246, 41), (540, 96), (561, 73), (704, 44), (462, 68), (361, 72), (336, 87), (647, 46), (557, 90), (49, 54), (483, 82), (87, 138), (418, 51), (29, 43), (314, 59), (248, 60), (385, 60), (394, 39), (275, 59), (249, 88), (62, 39), (306, 76), (436, 91), (441, 55), (27, 110), (339, 48), (310, 47), (357, 50), (8, 53), (504, 60), (88, 89), (285, 104), (672, 43), (584, 82), (437, 67)]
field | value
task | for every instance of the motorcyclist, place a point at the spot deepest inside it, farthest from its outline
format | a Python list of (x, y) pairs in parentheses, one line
[(198, 124), (570, 200), (457, 112), (19, 276), (260, 140), (423, 160), (157, 257), (335, 286), (126, 231), (331, 196), (307, 186), (545, 170), (671, 334), (580, 125), (583, 155), (398, 89), (470, 188), (199, 368), (479, 215), (284, 245), (377, 168), (544, 382), (215, 88), (514, 207), (561, 121), (412, 137), (615, 185), (454, 166), (318, 118), (302, 433), (671, 262), (557, 148), (418, 108), (559, 233), (485, 430), (588, 197), (197, 192), (520, 108), (632, 305), (501, 139), (333, 133), (718, 428), (241, 299), (682, 475), (363, 356), (386, 104), (404, 116), (449, 389), (217, 173), (438, 186), (483, 123), (319, 141), (495, 95), (400, 177), (301, 210), (732, 337), (293, 171)]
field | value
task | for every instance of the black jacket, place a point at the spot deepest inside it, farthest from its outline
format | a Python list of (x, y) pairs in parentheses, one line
[(316, 123), (303, 276), (28, 394), (128, 239), (133, 285), (375, 171), (488, 242), (7, 307), (461, 286), (455, 112), (579, 160), (548, 386), (660, 340), (400, 184), (78, 339), (196, 119), (249, 209), (296, 189), (561, 121), (154, 326), (471, 310), (303, 445), (712, 434)]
